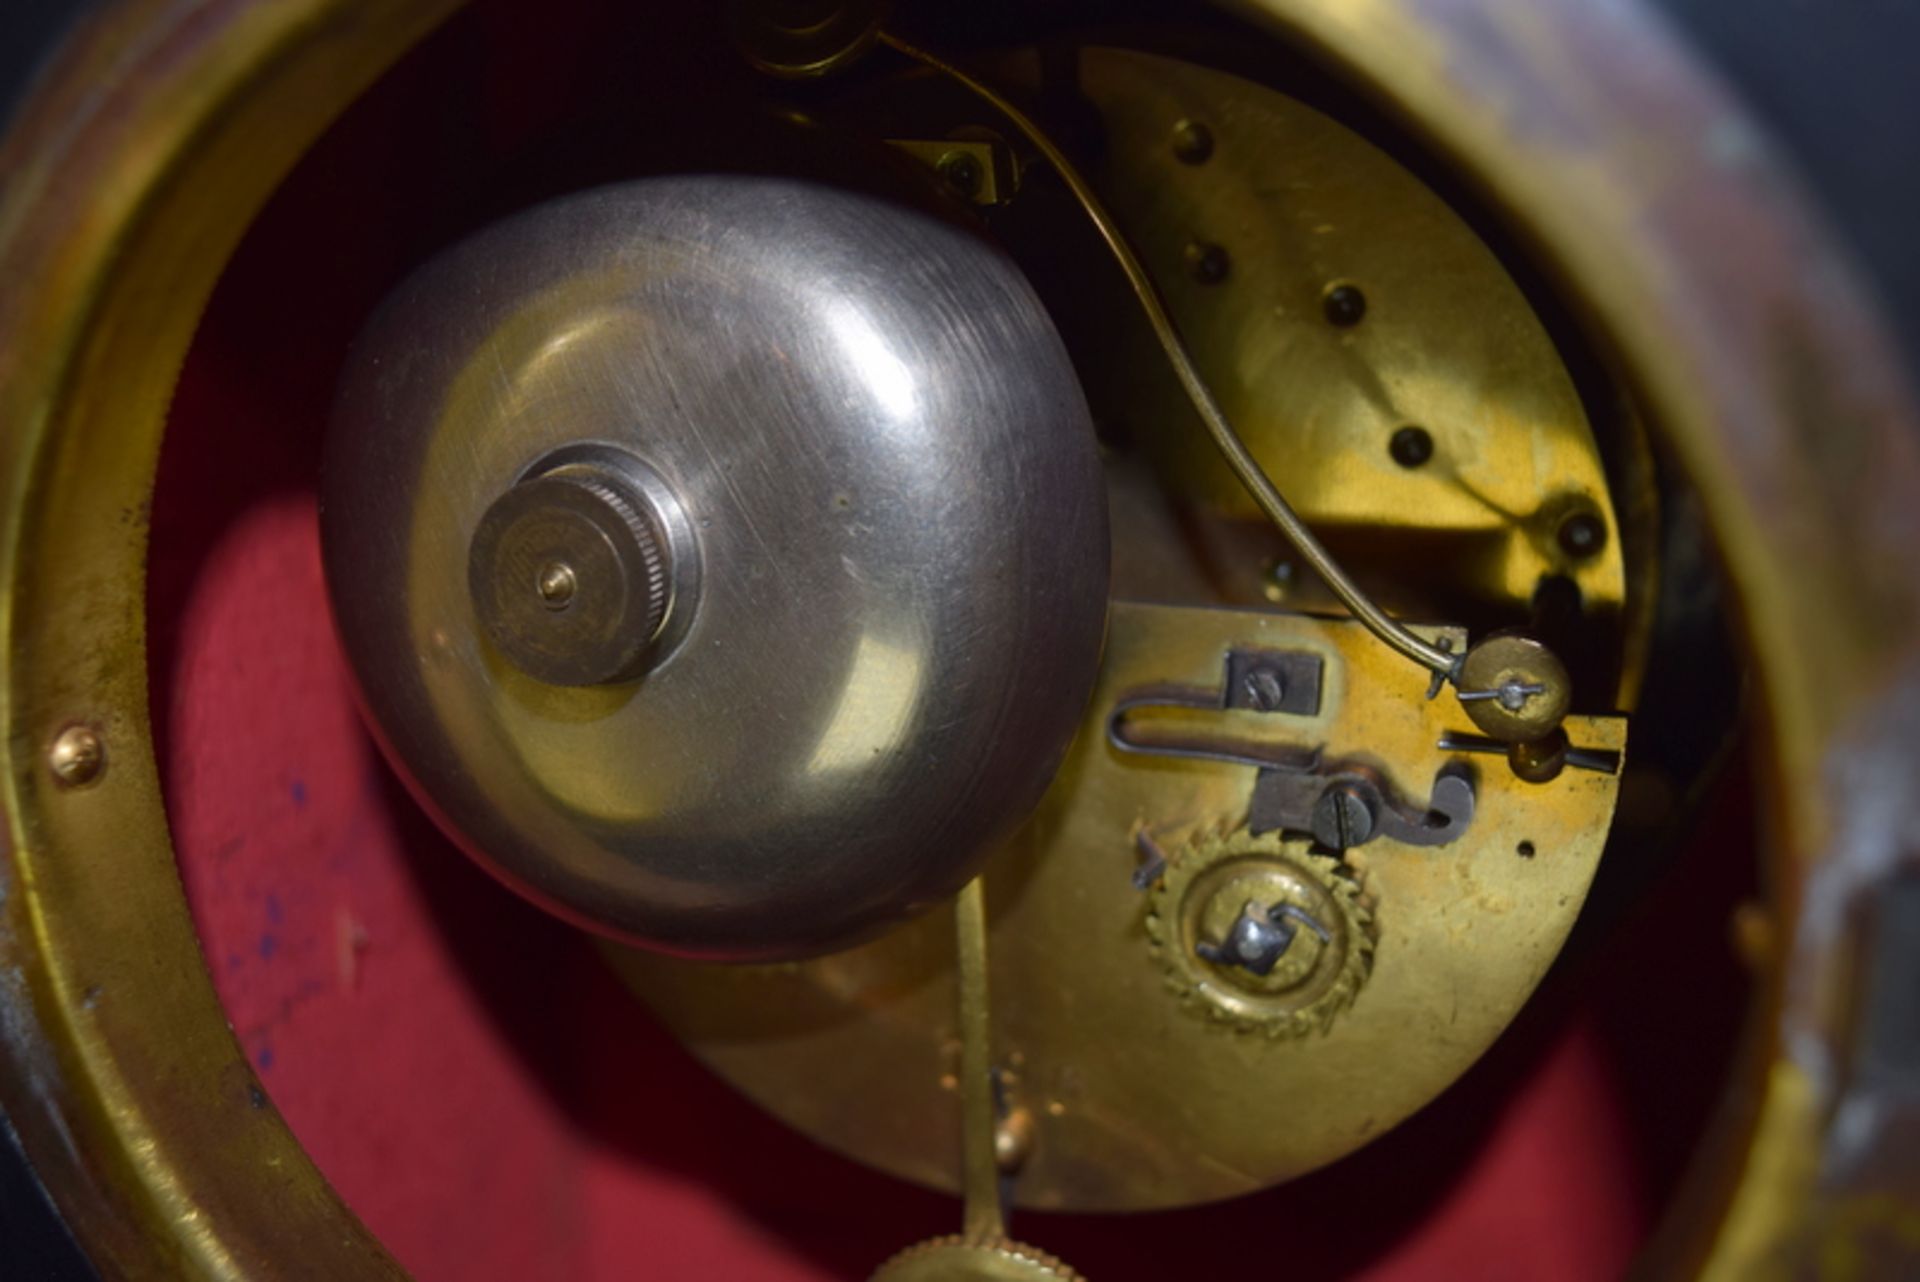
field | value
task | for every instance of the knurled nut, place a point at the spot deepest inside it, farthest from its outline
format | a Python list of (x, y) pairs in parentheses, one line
[(645, 540)]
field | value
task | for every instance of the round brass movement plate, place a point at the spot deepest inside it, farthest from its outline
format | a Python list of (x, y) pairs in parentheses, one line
[(852, 1048)]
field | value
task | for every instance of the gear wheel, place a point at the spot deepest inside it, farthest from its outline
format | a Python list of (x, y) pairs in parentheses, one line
[(961, 1259), (1214, 882)]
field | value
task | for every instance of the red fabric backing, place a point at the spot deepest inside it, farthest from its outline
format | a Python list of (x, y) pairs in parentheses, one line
[(466, 1072)]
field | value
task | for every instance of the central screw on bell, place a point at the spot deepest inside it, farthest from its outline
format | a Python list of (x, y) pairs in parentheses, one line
[(556, 585)]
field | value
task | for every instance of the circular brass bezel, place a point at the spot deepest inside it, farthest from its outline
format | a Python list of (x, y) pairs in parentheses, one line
[(150, 142), (154, 137)]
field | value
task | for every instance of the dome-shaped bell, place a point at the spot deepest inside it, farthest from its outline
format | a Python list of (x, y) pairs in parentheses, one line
[(723, 561)]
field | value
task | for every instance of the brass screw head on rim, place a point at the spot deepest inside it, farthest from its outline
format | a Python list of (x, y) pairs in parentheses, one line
[(77, 756)]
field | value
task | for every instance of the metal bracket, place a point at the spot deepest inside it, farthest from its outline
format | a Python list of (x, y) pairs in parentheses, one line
[(1346, 804), (1342, 804), (1266, 681), (980, 170), (1274, 681)]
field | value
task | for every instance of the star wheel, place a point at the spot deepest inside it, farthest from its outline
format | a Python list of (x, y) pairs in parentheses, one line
[(1226, 889)]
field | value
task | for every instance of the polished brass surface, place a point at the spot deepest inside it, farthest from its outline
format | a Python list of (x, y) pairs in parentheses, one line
[(1208, 266), (1444, 343), (1139, 1100), (897, 515), (970, 1259)]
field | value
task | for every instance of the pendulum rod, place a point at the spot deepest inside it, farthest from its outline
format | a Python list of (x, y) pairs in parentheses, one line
[(984, 1215)]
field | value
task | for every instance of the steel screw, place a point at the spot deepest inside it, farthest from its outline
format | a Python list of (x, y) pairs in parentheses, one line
[(1265, 689), (1343, 817), (77, 757), (1514, 695)]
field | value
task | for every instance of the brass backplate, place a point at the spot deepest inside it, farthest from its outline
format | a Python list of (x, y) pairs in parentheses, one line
[(1445, 342), (1141, 1099)]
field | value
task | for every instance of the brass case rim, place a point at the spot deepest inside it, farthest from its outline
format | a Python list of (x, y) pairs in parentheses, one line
[(158, 131)]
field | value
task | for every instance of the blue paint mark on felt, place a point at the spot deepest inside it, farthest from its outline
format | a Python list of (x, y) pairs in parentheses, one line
[(299, 791), (264, 1060), (275, 913), (269, 945)]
